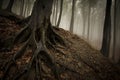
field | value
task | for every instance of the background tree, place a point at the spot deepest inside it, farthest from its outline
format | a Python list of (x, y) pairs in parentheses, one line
[(22, 7), (116, 45), (60, 14), (72, 16), (107, 29), (56, 12), (114, 50)]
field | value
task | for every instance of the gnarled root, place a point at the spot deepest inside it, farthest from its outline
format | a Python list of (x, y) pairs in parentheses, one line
[(39, 43)]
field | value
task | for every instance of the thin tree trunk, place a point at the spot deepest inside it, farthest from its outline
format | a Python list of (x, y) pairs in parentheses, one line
[(84, 15), (56, 12), (24, 8), (60, 15), (72, 16), (114, 31), (107, 30), (53, 17), (21, 8), (9, 7), (1, 2), (116, 43), (88, 31), (25, 12)]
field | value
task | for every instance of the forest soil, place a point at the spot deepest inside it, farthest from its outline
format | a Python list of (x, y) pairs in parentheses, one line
[(84, 62)]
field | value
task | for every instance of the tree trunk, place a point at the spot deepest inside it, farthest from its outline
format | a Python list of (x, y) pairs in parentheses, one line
[(53, 14), (107, 29), (72, 16), (60, 14), (9, 7), (114, 31), (84, 15), (56, 12), (39, 36), (22, 7), (89, 10), (116, 36), (1, 2)]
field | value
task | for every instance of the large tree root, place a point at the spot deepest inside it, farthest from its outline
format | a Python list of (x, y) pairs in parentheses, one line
[(10, 15), (39, 41), (23, 21)]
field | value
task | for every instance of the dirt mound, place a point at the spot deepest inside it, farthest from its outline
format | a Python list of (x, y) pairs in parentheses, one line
[(77, 61)]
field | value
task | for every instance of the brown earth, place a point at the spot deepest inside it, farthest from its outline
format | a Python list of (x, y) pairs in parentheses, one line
[(77, 61)]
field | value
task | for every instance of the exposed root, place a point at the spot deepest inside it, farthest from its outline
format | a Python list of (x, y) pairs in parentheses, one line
[(65, 67), (23, 35), (7, 67), (40, 53), (10, 15), (55, 38)]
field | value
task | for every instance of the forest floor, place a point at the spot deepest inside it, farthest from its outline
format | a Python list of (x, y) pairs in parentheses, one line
[(82, 61)]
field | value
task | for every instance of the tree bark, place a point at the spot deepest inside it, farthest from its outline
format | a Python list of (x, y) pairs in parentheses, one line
[(60, 15), (84, 17), (107, 29)]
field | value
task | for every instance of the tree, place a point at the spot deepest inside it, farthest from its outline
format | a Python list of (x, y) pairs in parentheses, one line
[(89, 14), (22, 8), (115, 31), (9, 7), (116, 42), (39, 35), (60, 14), (72, 17), (56, 12), (107, 29), (1, 2)]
